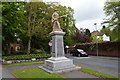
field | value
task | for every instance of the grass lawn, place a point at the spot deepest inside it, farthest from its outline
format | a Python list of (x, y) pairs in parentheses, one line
[(34, 73), (97, 73), (23, 64)]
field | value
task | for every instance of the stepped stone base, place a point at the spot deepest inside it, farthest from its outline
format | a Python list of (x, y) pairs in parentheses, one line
[(59, 65)]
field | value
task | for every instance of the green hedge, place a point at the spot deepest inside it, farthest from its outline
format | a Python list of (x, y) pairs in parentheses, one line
[(26, 57)]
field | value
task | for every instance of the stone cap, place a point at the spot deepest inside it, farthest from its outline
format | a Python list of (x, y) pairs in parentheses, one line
[(57, 33)]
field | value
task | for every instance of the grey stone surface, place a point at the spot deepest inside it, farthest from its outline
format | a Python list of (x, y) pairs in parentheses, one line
[(0, 70), (6, 73), (58, 63), (57, 43), (78, 74)]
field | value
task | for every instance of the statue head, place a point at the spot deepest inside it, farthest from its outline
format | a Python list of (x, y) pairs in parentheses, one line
[(56, 10)]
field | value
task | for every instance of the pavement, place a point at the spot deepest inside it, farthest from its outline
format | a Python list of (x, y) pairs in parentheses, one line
[(0, 71), (6, 73), (77, 74), (0, 67)]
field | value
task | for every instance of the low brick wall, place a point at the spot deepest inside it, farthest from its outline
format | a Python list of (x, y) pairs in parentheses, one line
[(112, 53), (104, 48)]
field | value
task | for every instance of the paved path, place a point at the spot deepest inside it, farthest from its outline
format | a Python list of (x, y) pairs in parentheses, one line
[(108, 65), (72, 74), (0, 71), (6, 73), (77, 74)]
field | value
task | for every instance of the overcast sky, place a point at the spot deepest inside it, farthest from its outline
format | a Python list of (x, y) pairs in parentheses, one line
[(86, 12)]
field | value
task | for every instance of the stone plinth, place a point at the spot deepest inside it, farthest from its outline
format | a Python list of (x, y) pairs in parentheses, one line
[(58, 62)]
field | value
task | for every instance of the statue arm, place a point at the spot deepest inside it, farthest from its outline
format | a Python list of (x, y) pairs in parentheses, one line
[(55, 17)]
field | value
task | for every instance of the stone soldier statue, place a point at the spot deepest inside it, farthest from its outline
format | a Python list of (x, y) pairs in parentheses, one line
[(58, 63), (55, 22)]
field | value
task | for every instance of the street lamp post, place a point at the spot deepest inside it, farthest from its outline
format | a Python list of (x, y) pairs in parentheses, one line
[(96, 38)]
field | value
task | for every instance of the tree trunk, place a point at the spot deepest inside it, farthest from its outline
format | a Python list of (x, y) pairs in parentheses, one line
[(29, 29), (8, 48), (29, 46)]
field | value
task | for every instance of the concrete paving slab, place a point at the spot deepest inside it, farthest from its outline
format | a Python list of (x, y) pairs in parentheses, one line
[(77, 74)]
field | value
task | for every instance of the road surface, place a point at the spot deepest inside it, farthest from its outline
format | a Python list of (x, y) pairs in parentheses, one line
[(108, 65)]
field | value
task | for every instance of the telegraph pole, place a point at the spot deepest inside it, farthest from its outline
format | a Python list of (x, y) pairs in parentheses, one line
[(96, 38)]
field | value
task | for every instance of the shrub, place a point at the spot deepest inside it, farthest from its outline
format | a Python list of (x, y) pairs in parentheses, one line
[(26, 57), (37, 51)]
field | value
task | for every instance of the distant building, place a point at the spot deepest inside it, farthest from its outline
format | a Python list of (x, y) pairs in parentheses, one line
[(97, 33), (106, 38), (15, 46), (101, 35)]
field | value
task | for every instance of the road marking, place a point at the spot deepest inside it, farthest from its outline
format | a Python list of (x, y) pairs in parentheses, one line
[(81, 57)]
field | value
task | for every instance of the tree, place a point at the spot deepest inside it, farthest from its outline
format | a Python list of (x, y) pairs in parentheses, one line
[(83, 36), (106, 30), (103, 27), (12, 22), (112, 10), (32, 23), (87, 32), (41, 23), (67, 22), (36, 20), (96, 39)]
